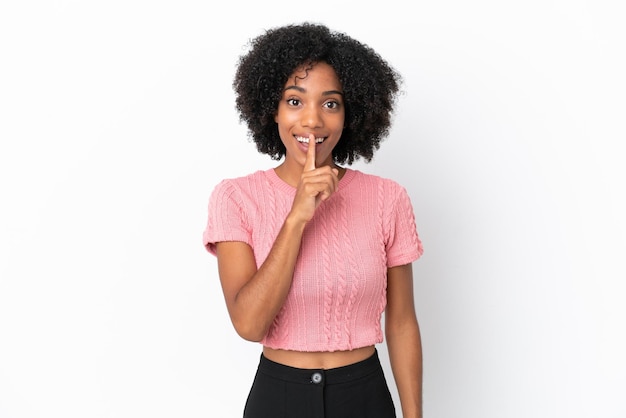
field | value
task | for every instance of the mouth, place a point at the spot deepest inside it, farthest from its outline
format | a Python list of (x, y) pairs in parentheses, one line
[(305, 140)]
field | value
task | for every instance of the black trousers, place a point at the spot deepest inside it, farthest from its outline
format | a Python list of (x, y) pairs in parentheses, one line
[(358, 390)]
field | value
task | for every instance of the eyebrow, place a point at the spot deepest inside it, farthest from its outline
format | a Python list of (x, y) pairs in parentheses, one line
[(301, 90)]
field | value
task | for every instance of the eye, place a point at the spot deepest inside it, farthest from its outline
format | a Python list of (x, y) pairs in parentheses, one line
[(332, 104), (293, 102)]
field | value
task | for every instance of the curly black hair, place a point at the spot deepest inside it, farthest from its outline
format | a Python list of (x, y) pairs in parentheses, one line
[(370, 86)]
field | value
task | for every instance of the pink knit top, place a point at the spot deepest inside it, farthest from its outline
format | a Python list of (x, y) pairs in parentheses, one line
[(338, 292)]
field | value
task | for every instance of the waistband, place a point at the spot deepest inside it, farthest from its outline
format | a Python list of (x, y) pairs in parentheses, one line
[(316, 376)]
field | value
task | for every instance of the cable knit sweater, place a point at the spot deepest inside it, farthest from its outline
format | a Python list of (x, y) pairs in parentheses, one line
[(338, 292)]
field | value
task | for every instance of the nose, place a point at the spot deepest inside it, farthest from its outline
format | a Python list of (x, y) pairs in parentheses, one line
[(312, 117)]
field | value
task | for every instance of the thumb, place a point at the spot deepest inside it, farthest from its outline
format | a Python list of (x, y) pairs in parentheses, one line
[(309, 163)]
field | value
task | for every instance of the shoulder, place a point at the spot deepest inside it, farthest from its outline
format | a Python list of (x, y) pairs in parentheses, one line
[(385, 193), (238, 191), (245, 182), (386, 186)]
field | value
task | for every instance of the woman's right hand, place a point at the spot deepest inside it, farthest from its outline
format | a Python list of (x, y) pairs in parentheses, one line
[(316, 186)]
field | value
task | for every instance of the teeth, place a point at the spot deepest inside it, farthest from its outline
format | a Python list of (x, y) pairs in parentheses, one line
[(306, 140)]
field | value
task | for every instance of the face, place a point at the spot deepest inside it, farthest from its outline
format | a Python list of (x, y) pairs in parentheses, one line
[(312, 103)]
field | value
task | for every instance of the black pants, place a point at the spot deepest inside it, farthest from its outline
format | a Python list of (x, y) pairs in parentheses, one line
[(355, 391)]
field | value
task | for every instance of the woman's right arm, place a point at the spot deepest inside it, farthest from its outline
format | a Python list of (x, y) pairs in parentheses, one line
[(255, 296)]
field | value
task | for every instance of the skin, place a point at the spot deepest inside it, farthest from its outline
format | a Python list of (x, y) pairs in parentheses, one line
[(312, 107)]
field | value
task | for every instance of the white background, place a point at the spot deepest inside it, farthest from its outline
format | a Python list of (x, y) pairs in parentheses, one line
[(117, 119)]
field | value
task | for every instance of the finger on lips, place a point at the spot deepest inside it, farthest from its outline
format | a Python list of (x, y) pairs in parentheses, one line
[(309, 164)]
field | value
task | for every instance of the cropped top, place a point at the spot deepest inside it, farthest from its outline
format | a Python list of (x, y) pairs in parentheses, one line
[(338, 291)]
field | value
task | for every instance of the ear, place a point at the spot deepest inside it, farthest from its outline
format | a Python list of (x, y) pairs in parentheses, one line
[(276, 116)]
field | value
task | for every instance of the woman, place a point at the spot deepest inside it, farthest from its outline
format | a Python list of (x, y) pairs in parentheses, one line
[(310, 253)]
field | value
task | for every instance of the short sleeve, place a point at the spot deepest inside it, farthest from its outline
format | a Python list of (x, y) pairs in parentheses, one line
[(403, 244), (226, 217)]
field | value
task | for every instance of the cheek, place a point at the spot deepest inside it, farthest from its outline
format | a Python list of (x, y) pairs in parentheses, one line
[(284, 134), (341, 124), (285, 119)]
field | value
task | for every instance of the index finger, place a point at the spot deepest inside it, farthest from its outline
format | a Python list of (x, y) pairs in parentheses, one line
[(309, 163)]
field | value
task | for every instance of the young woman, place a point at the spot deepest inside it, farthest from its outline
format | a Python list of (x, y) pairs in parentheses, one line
[(310, 253)]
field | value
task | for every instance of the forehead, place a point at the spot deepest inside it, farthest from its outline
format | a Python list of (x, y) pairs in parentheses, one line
[(314, 73)]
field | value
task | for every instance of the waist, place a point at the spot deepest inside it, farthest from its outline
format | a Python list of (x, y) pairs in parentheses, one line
[(340, 374), (318, 360)]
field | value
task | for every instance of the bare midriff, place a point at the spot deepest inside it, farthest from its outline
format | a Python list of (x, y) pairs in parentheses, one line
[(318, 360)]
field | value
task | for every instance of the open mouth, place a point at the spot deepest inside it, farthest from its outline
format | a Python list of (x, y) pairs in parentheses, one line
[(305, 140)]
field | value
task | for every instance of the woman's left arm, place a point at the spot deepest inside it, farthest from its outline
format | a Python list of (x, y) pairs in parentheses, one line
[(404, 340)]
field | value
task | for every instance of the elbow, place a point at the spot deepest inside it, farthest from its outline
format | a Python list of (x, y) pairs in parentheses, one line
[(249, 330), (254, 337), (249, 323)]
